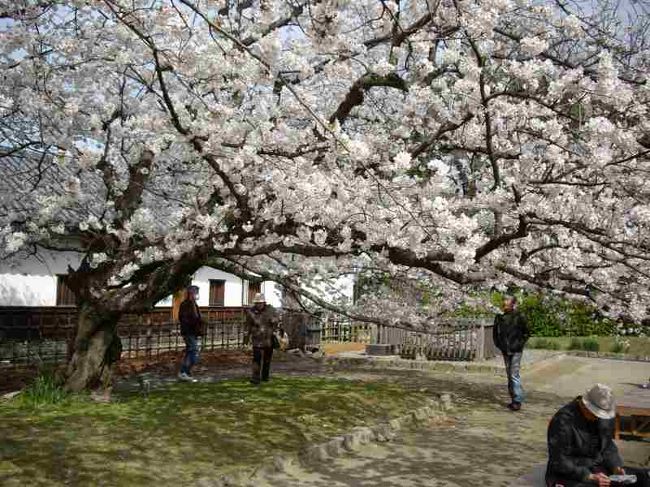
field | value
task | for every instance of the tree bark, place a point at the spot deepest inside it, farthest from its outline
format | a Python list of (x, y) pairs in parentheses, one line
[(95, 330)]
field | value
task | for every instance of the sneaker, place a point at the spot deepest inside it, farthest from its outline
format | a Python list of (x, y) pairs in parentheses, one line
[(185, 377), (514, 406)]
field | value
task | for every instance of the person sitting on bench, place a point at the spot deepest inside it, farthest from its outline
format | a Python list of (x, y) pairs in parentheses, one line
[(581, 448)]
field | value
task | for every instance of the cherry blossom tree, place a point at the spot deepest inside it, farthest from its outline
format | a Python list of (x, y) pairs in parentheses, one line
[(463, 144)]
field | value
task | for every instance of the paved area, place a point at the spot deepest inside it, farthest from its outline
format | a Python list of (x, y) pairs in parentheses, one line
[(484, 444)]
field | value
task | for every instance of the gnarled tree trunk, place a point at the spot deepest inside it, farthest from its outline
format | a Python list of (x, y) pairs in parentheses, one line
[(95, 331)]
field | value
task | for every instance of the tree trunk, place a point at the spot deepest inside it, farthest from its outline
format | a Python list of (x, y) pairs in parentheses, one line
[(95, 330)]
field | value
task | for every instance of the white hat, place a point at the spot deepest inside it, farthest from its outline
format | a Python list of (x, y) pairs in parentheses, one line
[(259, 298), (600, 401)]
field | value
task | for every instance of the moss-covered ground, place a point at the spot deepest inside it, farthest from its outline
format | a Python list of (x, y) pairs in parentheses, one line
[(184, 432)]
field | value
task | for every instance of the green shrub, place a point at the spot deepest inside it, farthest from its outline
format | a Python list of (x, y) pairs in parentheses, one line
[(617, 347), (591, 345), (543, 343), (550, 316), (575, 344), (620, 346), (46, 389)]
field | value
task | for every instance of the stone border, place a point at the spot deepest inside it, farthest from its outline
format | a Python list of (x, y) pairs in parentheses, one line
[(396, 362), (400, 363), (608, 355), (336, 446)]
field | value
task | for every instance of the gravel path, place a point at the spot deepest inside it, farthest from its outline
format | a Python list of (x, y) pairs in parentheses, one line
[(484, 444)]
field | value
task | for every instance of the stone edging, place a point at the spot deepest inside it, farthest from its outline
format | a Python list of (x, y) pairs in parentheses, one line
[(400, 363), (608, 355), (336, 446)]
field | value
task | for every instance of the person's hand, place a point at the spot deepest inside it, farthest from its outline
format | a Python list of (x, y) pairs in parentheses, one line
[(600, 479), (619, 471)]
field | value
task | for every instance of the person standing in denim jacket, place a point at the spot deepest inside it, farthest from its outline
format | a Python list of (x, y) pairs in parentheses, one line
[(191, 329), (510, 334)]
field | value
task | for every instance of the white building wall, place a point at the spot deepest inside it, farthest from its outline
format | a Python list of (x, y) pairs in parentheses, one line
[(272, 293), (233, 292), (31, 281)]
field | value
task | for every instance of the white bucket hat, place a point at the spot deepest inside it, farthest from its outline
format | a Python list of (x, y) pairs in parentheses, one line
[(600, 401), (259, 298)]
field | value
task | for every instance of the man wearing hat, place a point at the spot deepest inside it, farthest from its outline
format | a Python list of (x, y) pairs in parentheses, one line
[(261, 321), (191, 329), (581, 449)]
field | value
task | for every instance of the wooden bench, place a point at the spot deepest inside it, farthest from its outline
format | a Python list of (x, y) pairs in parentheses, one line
[(636, 406)]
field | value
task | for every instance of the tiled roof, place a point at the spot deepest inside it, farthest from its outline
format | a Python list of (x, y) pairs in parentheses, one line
[(29, 178)]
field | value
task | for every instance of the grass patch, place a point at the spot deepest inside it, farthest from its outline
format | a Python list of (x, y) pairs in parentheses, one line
[(184, 432), (45, 390), (591, 344), (543, 343), (637, 346), (619, 347), (575, 344)]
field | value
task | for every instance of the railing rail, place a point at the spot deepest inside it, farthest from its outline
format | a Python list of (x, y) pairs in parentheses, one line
[(30, 336)]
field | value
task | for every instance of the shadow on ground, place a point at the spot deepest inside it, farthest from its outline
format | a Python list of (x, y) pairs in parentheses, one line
[(486, 445)]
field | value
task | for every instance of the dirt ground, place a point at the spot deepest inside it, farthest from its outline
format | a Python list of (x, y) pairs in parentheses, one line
[(485, 445), (482, 443), (334, 348)]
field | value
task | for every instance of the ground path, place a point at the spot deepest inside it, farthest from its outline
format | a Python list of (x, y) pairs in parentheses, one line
[(485, 445)]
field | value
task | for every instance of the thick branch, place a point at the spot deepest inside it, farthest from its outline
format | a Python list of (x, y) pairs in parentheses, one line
[(355, 95)]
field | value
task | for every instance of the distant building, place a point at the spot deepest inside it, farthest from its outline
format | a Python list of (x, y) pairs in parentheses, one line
[(40, 280)]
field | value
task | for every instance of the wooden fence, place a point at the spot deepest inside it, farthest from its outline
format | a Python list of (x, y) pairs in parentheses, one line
[(44, 335), (30, 336), (461, 339), (454, 340), (342, 331)]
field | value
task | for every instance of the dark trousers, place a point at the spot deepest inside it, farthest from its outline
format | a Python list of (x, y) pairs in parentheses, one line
[(642, 480), (261, 363)]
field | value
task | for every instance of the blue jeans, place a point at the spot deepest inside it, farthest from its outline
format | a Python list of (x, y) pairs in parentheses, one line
[(191, 356), (513, 366)]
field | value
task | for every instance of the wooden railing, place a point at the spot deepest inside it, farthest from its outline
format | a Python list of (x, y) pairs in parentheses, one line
[(341, 331), (468, 340), (461, 339), (44, 335)]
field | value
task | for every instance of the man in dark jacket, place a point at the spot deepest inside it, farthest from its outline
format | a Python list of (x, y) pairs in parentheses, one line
[(581, 449), (510, 333), (261, 322), (191, 329)]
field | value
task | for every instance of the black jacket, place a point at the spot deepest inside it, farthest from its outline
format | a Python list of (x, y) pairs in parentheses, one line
[(261, 325), (571, 456), (510, 332), (190, 318)]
